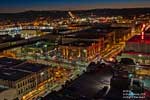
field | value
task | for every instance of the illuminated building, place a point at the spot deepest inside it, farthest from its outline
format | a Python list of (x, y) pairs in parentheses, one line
[(122, 33), (144, 71), (22, 77), (138, 48), (27, 80), (81, 50), (102, 37), (29, 33)]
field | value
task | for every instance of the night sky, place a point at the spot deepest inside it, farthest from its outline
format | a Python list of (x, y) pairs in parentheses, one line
[(23, 5)]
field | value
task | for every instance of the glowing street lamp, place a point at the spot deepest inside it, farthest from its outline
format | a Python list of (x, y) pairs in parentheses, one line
[(140, 55), (84, 50)]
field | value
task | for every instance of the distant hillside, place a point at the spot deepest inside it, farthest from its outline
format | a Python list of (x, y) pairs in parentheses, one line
[(32, 15)]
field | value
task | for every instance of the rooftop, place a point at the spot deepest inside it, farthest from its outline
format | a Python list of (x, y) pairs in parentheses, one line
[(12, 69), (12, 75), (80, 43), (138, 39), (31, 67), (9, 62), (127, 61), (8, 38), (92, 33)]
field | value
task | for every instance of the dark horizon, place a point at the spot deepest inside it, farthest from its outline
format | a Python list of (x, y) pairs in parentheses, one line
[(73, 10), (14, 6)]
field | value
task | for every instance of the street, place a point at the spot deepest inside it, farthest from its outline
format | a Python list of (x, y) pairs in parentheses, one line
[(86, 86)]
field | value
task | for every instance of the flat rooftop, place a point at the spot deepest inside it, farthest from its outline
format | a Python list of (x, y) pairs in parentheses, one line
[(12, 75), (80, 43), (12, 69), (31, 67), (92, 33), (8, 38), (138, 39), (9, 62)]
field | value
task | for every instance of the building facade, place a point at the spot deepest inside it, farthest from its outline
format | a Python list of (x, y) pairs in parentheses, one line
[(24, 78), (81, 50), (138, 48)]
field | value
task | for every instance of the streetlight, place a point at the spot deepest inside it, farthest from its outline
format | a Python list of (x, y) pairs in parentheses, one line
[(140, 55)]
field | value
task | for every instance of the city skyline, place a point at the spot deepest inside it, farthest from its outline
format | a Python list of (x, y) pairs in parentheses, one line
[(49, 49), (13, 6)]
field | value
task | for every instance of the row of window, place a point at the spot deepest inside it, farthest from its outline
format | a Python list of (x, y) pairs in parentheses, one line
[(22, 83), (23, 90)]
